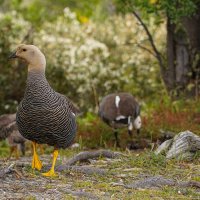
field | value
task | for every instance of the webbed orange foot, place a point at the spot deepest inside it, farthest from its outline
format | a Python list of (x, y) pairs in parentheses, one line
[(36, 163), (50, 173)]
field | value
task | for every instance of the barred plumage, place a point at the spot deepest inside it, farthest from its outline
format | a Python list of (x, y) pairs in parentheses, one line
[(45, 116)]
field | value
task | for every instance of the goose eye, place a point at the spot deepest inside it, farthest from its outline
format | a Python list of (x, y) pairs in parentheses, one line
[(23, 49)]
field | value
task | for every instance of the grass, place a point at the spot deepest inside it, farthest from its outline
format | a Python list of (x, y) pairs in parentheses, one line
[(93, 134), (126, 170), (173, 116), (163, 114), (132, 168)]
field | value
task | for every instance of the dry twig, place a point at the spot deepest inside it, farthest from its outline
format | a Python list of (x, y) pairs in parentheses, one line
[(83, 156), (160, 181), (82, 169), (7, 170), (81, 194)]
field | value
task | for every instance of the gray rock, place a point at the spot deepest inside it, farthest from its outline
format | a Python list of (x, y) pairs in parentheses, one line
[(183, 146), (164, 147)]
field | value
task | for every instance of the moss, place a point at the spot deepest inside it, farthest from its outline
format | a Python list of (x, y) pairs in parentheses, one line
[(124, 170), (83, 184), (30, 198), (69, 197)]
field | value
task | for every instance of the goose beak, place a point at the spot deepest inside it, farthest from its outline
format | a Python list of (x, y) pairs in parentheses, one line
[(12, 55)]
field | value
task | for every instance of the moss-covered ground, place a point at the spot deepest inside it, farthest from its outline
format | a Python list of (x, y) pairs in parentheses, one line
[(29, 184)]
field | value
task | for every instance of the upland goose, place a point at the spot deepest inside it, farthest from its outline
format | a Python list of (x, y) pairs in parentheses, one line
[(44, 116), (15, 139), (119, 110), (9, 131), (5, 120)]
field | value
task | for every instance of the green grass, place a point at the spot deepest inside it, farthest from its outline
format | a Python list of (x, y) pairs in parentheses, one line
[(4, 150), (93, 134), (131, 168), (126, 170)]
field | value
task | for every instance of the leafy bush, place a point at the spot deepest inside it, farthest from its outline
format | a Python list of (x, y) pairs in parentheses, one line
[(83, 59), (12, 77), (89, 58)]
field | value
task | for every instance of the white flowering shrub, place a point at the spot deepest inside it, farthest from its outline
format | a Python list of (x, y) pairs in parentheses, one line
[(91, 59), (12, 78), (99, 57)]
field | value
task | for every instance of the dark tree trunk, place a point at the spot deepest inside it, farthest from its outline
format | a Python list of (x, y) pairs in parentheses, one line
[(181, 76)]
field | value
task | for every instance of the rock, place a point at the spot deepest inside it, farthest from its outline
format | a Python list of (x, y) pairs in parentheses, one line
[(75, 146), (183, 146), (164, 147)]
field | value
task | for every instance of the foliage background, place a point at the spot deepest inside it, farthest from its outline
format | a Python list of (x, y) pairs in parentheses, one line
[(92, 48), (84, 55), (95, 47)]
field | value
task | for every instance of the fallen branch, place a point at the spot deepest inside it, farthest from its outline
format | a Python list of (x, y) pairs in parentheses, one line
[(83, 156), (160, 181), (151, 182), (195, 184), (5, 171), (81, 194), (82, 169)]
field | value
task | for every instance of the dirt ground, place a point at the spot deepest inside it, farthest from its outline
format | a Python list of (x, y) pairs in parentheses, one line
[(123, 177)]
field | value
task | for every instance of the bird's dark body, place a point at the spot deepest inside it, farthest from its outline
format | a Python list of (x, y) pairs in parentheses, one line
[(5, 121), (16, 138), (127, 107), (120, 110), (9, 131), (45, 116)]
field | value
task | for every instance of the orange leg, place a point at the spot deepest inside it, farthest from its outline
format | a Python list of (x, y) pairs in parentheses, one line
[(51, 172), (36, 163)]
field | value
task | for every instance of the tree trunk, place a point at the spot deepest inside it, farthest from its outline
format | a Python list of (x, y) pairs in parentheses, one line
[(181, 76)]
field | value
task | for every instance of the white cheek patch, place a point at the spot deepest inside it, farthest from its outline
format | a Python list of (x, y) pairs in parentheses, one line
[(117, 100), (120, 117), (138, 122), (130, 126)]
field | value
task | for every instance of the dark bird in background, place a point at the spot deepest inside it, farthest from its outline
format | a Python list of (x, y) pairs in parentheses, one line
[(44, 116), (15, 139), (5, 120), (9, 131), (120, 110)]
